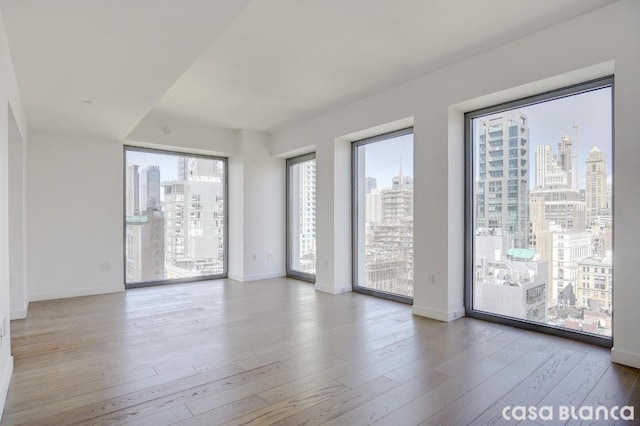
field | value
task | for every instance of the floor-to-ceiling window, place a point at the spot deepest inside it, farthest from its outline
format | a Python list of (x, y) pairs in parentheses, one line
[(175, 217), (301, 217), (540, 212), (382, 169)]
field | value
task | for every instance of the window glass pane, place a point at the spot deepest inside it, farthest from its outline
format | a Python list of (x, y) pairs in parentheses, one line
[(383, 206), (175, 216), (302, 216), (542, 221)]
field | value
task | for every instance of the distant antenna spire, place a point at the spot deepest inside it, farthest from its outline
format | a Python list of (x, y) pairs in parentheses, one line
[(401, 162)]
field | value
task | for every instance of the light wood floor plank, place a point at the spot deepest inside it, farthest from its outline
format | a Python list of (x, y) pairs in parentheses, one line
[(340, 404), (465, 409), (275, 413), (226, 412), (278, 352)]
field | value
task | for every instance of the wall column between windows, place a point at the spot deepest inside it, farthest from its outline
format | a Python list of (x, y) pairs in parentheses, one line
[(438, 198), (333, 213), (256, 210)]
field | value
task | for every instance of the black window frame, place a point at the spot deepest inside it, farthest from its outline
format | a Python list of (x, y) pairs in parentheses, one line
[(567, 91), (293, 273), (354, 216), (224, 274)]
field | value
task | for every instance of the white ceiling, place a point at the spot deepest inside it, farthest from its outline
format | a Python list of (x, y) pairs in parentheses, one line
[(121, 54), (239, 63)]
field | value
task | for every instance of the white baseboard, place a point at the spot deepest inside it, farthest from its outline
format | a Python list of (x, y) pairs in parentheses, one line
[(446, 316), (4, 384), (75, 293), (18, 313), (235, 277), (625, 358), (257, 277), (333, 289)]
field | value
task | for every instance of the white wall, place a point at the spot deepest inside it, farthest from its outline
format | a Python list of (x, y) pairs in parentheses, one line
[(236, 216), (6, 361), (256, 188), (74, 215), (75, 202), (163, 131), (10, 106), (333, 227), (17, 222), (593, 45), (257, 210), (75, 205)]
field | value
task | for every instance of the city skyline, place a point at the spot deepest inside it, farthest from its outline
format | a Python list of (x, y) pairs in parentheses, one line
[(166, 161), (383, 160), (302, 216), (551, 120), (385, 226), (179, 230), (542, 213)]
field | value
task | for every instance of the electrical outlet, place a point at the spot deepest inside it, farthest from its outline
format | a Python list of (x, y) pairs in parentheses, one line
[(105, 265), (269, 255), (432, 279), (255, 257)]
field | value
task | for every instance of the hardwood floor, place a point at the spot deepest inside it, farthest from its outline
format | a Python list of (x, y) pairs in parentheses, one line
[(278, 352)]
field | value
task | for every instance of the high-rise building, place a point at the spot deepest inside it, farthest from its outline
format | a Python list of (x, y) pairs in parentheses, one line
[(150, 188), (537, 221), (554, 200), (595, 185), (373, 204), (397, 202), (194, 219), (558, 222), (303, 180), (145, 247), (562, 206), (389, 268), (132, 190), (594, 294), (543, 158), (549, 173), (595, 284), (568, 248), (502, 204), (194, 227), (199, 168), (564, 159), (371, 183)]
